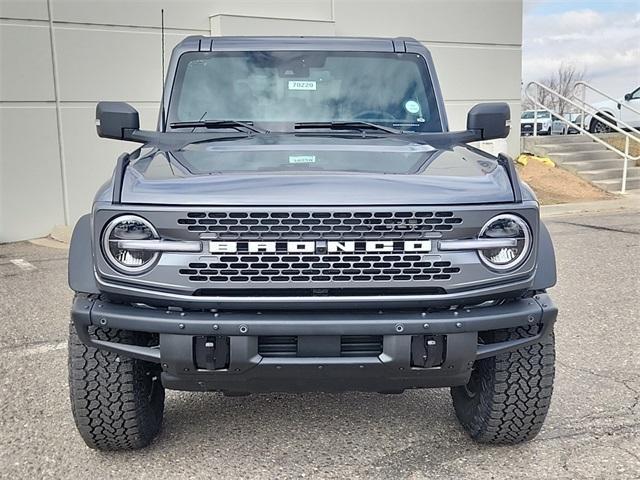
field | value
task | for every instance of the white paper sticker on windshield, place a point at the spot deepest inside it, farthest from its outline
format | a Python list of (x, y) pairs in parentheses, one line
[(302, 159), (302, 85), (412, 106)]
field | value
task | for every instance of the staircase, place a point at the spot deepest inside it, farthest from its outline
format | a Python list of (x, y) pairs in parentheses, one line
[(587, 158)]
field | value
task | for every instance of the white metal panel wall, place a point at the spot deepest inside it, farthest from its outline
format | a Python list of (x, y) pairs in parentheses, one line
[(110, 50)]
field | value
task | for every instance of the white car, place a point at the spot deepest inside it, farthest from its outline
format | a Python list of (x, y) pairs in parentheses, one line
[(616, 111), (560, 127), (543, 122)]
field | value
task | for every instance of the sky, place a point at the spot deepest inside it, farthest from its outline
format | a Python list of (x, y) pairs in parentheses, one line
[(600, 36)]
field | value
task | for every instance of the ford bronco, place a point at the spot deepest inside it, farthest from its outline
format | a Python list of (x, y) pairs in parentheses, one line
[(303, 219)]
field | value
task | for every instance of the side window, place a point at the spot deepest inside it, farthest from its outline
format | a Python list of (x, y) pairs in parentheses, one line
[(636, 94)]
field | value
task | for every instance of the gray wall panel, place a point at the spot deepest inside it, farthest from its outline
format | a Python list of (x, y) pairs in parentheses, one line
[(458, 21), (477, 72), (30, 181), (27, 72), (111, 64), (24, 9), (245, 25), (181, 14)]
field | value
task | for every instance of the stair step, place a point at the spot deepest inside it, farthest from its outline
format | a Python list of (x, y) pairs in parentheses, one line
[(583, 165), (614, 185), (562, 157), (609, 173), (572, 147), (559, 139)]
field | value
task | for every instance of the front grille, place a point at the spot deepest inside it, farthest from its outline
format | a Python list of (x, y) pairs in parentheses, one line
[(350, 346), (262, 268), (403, 225)]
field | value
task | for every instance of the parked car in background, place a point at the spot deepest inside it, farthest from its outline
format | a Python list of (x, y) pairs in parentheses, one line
[(560, 127), (543, 122), (615, 112)]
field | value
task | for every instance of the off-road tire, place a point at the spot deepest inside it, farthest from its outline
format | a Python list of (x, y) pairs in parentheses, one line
[(117, 402), (597, 126), (508, 396)]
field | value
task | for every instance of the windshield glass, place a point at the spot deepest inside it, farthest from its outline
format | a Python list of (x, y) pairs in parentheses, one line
[(278, 89)]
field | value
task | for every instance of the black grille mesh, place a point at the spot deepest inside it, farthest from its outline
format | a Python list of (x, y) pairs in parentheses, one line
[(319, 268), (401, 225)]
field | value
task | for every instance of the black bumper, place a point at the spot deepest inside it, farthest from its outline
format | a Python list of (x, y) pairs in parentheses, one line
[(248, 371)]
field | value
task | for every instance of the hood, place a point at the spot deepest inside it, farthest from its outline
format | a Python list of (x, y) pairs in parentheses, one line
[(288, 170)]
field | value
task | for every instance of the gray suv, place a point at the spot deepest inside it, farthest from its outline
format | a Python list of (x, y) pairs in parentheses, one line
[(303, 219)]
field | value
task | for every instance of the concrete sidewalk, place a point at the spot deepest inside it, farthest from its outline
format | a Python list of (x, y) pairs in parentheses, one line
[(626, 202)]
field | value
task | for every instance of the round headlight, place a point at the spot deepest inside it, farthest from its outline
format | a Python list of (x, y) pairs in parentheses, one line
[(128, 227), (506, 226)]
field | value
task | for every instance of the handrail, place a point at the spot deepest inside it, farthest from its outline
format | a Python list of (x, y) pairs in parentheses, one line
[(580, 128)]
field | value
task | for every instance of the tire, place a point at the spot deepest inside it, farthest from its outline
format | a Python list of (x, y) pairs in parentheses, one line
[(596, 126), (508, 396), (117, 402)]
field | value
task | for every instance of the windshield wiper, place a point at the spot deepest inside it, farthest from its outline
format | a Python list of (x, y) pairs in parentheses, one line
[(212, 124), (345, 126)]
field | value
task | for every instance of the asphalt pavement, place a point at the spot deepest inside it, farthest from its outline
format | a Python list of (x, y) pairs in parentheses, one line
[(593, 429)]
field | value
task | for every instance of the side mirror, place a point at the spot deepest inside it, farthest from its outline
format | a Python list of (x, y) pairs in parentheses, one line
[(490, 120), (628, 96), (116, 120)]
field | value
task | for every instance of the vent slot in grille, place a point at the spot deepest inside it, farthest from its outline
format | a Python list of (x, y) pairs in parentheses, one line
[(320, 225), (350, 346), (279, 268), (274, 346), (360, 345)]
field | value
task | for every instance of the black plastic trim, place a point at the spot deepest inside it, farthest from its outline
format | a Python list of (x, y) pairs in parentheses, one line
[(118, 177), (546, 275), (81, 274), (508, 164)]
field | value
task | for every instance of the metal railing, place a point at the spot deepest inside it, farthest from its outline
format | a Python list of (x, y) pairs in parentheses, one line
[(586, 109)]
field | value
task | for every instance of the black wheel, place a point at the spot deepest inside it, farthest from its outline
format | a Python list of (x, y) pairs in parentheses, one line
[(598, 126), (117, 402), (508, 396)]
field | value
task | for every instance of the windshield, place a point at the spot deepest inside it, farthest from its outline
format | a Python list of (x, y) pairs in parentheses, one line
[(529, 115), (277, 89)]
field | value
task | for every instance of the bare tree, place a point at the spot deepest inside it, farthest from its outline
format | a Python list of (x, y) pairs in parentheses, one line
[(562, 81)]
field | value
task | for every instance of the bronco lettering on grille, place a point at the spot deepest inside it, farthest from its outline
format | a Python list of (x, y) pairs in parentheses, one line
[(321, 246)]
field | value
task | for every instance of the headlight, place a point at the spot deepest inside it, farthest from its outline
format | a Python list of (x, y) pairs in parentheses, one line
[(506, 226), (129, 227)]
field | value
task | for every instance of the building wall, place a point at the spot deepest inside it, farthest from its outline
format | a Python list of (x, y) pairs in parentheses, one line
[(59, 57)]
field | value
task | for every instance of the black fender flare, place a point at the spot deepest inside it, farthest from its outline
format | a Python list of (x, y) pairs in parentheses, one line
[(81, 274), (546, 276)]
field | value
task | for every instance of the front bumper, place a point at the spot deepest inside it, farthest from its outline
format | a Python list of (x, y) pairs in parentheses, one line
[(248, 371)]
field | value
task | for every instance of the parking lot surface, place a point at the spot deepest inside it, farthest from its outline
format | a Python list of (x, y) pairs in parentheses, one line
[(593, 429)]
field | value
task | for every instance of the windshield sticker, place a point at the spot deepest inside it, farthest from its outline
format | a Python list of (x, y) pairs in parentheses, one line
[(412, 106), (302, 159), (302, 85)]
